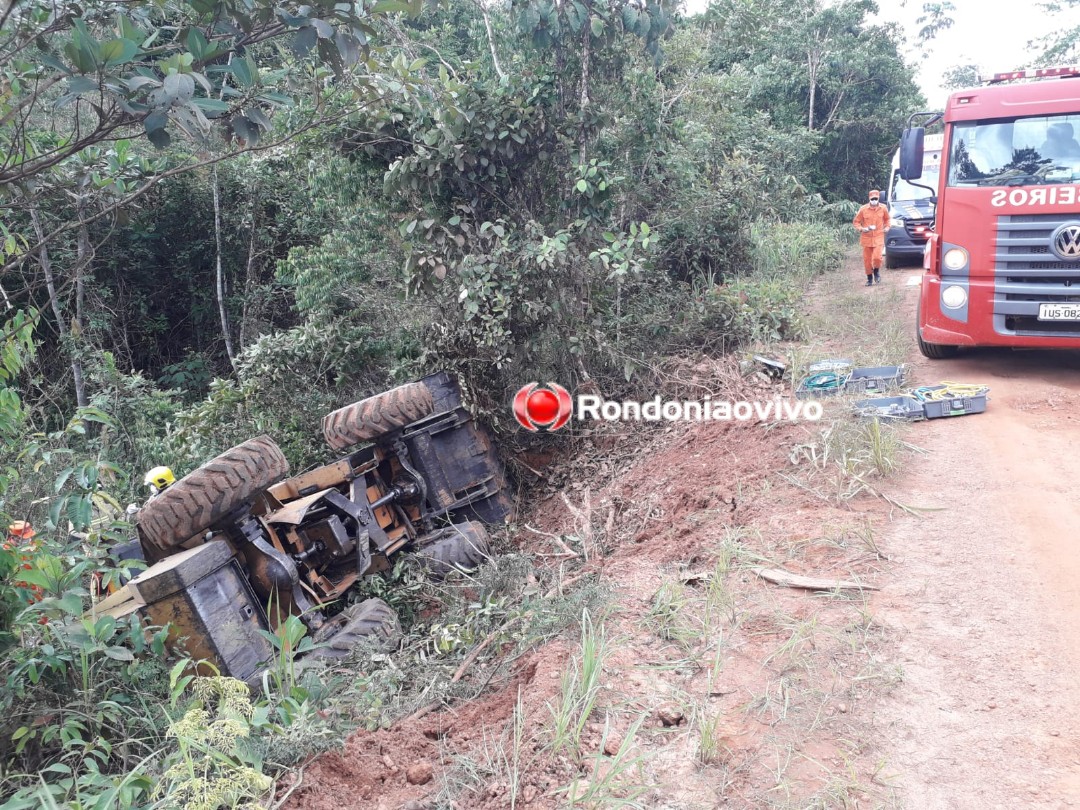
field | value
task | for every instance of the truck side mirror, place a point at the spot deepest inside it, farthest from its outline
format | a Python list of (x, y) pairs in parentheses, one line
[(911, 153)]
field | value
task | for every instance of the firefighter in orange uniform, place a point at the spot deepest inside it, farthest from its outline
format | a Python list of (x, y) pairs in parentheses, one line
[(20, 540), (872, 222)]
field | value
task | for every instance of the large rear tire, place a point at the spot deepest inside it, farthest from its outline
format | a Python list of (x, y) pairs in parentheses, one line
[(200, 499), (371, 619), (934, 351), (462, 546), (376, 416)]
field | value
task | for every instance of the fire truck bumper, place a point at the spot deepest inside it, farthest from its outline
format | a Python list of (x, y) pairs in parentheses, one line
[(935, 334)]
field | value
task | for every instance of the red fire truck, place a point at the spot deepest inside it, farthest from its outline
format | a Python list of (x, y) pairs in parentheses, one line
[(1002, 266)]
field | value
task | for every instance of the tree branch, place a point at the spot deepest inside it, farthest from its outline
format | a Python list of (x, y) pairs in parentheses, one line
[(153, 181)]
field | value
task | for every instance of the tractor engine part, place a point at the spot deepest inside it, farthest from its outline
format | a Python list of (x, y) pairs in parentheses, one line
[(205, 597)]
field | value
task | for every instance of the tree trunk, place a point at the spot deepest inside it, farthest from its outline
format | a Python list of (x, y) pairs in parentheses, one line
[(66, 336), (221, 273), (813, 60), (84, 256), (586, 57), (560, 62), (249, 275), (491, 39)]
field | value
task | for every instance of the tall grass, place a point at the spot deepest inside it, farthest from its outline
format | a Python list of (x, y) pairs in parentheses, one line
[(579, 690), (785, 249)]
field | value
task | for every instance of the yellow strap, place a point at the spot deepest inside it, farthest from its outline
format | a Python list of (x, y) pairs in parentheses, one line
[(952, 390)]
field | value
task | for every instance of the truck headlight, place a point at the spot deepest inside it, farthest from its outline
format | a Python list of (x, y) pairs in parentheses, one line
[(955, 259), (898, 222), (953, 296)]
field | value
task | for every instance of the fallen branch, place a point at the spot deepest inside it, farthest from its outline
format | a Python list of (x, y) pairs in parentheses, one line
[(299, 781), (531, 469), (583, 520), (790, 580), (421, 712), (558, 589), (914, 511), (468, 662), (566, 550)]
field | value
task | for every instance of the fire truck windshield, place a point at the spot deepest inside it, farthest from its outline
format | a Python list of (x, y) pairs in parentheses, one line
[(1017, 152)]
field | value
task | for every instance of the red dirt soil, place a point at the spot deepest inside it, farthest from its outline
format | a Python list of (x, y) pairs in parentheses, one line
[(952, 687), (645, 505)]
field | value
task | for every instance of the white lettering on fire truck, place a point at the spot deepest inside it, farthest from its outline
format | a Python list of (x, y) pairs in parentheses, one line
[(1052, 195)]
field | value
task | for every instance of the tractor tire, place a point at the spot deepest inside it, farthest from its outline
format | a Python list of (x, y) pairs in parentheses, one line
[(933, 351), (201, 498), (371, 619), (376, 416), (462, 547)]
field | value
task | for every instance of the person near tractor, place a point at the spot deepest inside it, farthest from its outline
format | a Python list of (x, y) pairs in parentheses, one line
[(20, 541), (158, 480), (872, 222)]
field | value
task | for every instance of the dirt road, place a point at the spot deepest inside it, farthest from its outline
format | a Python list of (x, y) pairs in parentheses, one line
[(986, 591)]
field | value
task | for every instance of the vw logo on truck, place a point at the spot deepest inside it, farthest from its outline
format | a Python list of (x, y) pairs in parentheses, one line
[(1065, 241)]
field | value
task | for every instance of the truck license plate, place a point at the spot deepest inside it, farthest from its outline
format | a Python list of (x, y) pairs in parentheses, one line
[(1059, 312)]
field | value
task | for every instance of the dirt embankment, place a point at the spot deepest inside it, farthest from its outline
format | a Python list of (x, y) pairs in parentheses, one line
[(948, 687)]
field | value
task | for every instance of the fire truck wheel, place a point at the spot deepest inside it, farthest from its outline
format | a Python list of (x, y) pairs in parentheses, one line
[(375, 416), (371, 619), (201, 498), (462, 546), (934, 351)]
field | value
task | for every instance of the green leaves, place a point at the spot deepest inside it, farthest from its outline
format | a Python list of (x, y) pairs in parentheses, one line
[(620, 255), (83, 49), (155, 129), (212, 107), (304, 40), (245, 70), (195, 59), (119, 51), (178, 87), (394, 7), (249, 125)]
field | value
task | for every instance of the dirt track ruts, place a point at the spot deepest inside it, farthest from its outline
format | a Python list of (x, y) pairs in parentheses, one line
[(986, 591)]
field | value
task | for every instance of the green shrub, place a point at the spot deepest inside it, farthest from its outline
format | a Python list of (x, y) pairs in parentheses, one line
[(799, 249)]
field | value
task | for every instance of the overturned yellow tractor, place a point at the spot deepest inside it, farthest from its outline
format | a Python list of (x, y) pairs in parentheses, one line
[(237, 546)]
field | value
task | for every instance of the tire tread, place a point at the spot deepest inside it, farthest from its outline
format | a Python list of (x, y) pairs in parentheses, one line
[(378, 415), (199, 499)]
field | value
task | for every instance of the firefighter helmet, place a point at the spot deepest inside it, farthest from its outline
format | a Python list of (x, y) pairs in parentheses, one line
[(159, 477)]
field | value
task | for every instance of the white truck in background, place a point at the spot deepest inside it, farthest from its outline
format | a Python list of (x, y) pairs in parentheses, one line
[(911, 207)]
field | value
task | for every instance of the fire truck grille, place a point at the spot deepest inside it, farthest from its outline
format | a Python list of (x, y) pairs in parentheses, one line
[(1023, 247), (1027, 274)]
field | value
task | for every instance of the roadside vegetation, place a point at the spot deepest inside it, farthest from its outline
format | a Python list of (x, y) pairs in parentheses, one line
[(208, 235)]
